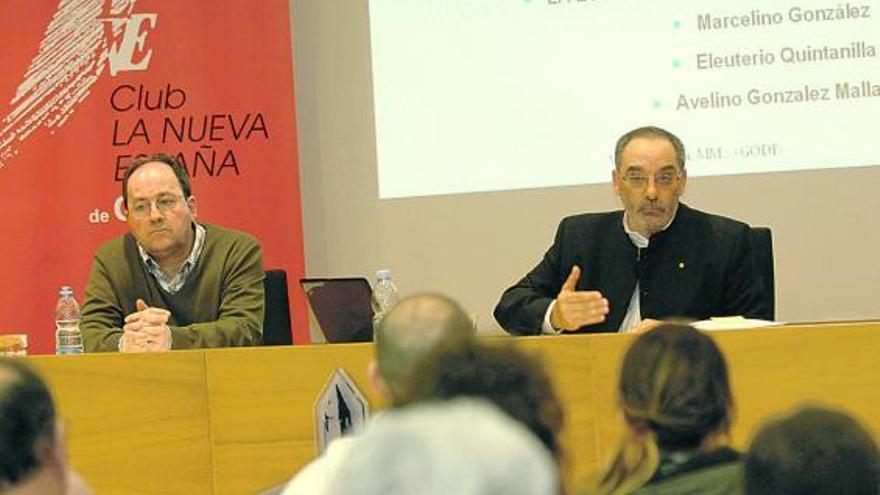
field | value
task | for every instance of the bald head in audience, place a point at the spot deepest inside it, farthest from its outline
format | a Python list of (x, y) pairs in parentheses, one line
[(32, 452), (412, 329)]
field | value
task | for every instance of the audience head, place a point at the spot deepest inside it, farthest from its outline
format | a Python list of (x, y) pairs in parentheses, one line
[(462, 447), (412, 329), (814, 450), (675, 395), (674, 383), (28, 428), (516, 382)]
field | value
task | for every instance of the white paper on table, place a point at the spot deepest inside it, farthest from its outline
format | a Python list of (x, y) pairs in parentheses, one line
[(733, 323)]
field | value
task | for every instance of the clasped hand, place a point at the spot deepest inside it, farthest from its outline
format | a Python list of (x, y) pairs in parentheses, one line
[(146, 330)]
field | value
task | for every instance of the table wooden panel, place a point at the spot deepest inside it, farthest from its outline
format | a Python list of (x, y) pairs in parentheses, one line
[(775, 370), (240, 420), (262, 408), (135, 423), (571, 363)]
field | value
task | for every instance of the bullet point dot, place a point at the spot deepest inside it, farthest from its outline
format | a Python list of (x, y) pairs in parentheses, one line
[(676, 24), (656, 103), (676, 63)]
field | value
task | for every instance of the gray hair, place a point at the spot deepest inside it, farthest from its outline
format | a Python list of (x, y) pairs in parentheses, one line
[(650, 132), (464, 446)]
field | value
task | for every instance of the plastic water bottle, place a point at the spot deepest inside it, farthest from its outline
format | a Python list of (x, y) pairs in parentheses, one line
[(68, 337), (385, 295)]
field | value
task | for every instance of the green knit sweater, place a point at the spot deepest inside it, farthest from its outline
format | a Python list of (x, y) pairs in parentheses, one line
[(220, 304)]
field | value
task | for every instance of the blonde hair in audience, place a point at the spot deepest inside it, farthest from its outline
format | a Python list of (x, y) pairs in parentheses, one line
[(674, 393)]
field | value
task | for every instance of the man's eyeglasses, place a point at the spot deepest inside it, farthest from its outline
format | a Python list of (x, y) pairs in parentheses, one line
[(638, 180), (164, 204)]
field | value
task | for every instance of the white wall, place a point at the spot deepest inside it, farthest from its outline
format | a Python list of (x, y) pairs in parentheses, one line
[(472, 246)]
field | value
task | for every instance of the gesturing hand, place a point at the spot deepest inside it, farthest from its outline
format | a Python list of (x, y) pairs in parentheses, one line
[(575, 308)]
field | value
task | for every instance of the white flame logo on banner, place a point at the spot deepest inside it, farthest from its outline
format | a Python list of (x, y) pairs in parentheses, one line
[(77, 47)]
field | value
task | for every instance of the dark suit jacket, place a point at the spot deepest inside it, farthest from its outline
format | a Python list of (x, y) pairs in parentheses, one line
[(700, 266)]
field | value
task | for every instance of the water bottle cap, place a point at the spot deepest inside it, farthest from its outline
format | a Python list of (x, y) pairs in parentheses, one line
[(383, 274), (65, 290)]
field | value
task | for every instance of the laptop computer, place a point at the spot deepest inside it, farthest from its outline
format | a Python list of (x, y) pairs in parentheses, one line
[(343, 307)]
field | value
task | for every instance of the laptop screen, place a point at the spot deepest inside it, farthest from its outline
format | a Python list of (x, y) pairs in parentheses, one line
[(342, 307)]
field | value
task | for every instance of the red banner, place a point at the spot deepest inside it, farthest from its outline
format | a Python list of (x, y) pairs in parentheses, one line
[(88, 84)]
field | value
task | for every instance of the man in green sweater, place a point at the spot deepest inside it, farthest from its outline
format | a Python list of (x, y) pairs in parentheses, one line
[(171, 283)]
